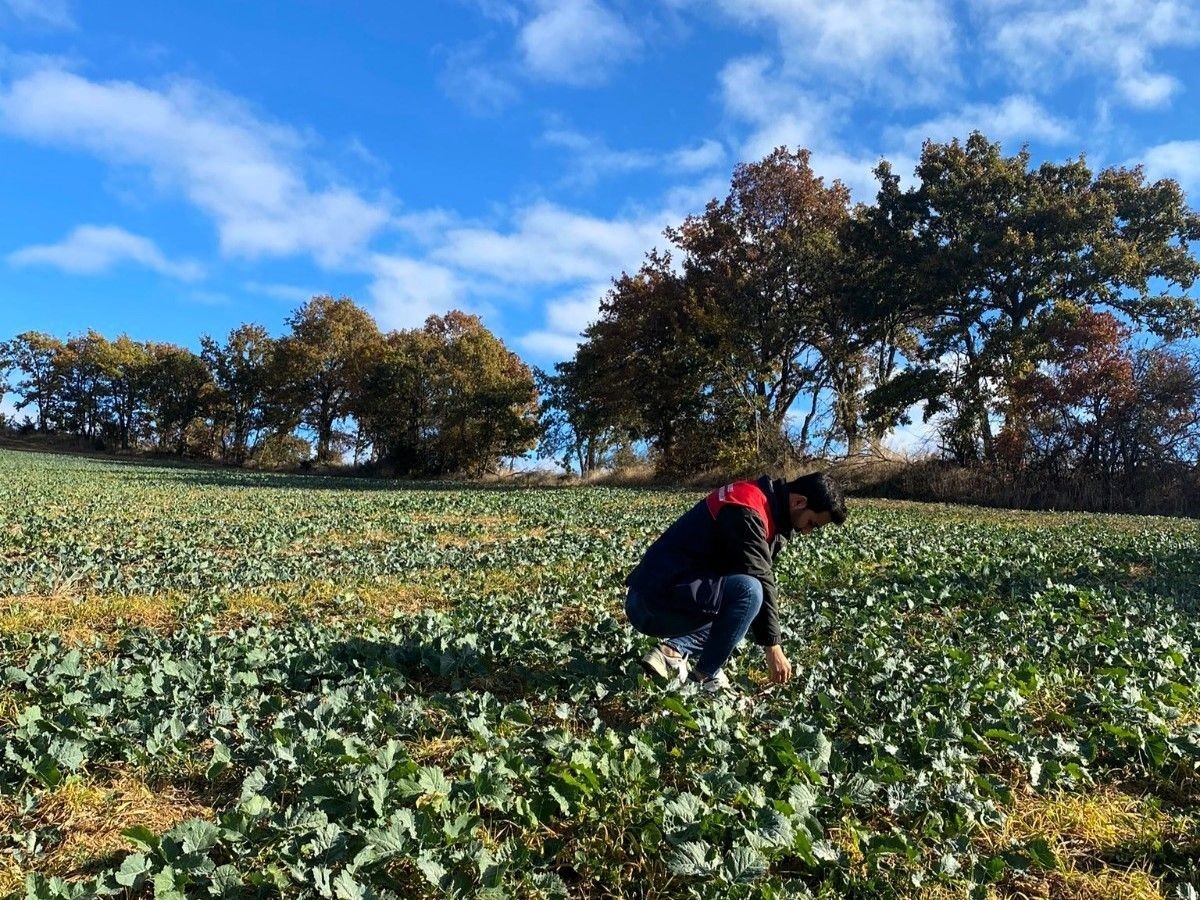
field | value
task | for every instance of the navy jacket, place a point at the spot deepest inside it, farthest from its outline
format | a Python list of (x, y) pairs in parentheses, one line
[(738, 529)]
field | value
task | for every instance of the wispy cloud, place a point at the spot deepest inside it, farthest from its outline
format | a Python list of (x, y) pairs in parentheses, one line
[(1019, 118), (593, 159), (497, 10), (91, 249), (209, 298), (1179, 160), (551, 244), (575, 42), (708, 154), (1044, 41), (566, 318), (246, 174), (909, 46), (44, 13), (778, 111), (480, 85), (289, 293), (405, 291)]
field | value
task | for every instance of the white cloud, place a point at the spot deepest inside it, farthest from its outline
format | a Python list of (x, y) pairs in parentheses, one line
[(708, 154), (209, 298), (690, 199), (1018, 118), (1179, 160), (498, 10), (593, 159), (548, 344), (46, 13), (550, 244), (566, 318), (91, 249), (575, 42), (426, 226), (782, 114), (287, 292), (779, 112), (405, 292), (916, 439), (480, 86), (8, 407), (906, 44), (241, 171), (1045, 40)]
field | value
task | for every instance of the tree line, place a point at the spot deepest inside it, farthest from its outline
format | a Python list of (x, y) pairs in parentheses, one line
[(442, 399), (1036, 318)]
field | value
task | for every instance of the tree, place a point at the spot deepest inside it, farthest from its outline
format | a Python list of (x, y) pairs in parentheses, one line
[(83, 407), (320, 363), (179, 390), (483, 399), (575, 428), (763, 264), (240, 370), (124, 374), (1099, 406), (1000, 245), (882, 315), (448, 398), (35, 358), (644, 367), (393, 402)]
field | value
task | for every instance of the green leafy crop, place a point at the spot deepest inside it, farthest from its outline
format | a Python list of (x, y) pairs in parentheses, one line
[(950, 664)]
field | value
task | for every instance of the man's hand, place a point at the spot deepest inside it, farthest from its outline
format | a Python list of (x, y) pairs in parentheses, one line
[(777, 663)]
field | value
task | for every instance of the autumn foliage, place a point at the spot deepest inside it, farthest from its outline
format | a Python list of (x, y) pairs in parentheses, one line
[(443, 400)]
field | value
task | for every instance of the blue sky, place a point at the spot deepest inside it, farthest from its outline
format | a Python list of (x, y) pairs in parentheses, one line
[(177, 168)]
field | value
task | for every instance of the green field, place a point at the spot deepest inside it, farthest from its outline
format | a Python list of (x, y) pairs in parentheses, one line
[(232, 684)]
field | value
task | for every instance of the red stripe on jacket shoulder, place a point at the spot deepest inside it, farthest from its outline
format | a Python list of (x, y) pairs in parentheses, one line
[(742, 493)]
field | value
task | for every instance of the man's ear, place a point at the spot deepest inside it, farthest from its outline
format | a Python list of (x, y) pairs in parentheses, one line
[(799, 501)]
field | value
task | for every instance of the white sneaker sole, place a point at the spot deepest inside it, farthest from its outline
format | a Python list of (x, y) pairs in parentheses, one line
[(658, 665)]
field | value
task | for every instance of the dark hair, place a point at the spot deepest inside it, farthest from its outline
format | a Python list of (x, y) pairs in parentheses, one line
[(823, 493)]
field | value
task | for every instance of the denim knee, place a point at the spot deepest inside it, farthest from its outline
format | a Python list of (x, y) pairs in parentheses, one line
[(744, 590)]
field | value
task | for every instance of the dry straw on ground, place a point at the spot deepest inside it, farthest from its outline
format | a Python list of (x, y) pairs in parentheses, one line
[(90, 818)]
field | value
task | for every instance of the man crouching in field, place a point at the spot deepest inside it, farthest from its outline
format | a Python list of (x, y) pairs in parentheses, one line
[(707, 580)]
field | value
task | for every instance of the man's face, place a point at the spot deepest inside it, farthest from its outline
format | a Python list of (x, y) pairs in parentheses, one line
[(804, 520)]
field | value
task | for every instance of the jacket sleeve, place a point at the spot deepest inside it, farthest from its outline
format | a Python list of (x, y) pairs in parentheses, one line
[(748, 553)]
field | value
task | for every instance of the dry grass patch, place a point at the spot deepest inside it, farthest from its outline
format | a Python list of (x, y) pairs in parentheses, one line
[(1075, 884), (9, 707), (436, 751), (330, 602), (1078, 824), (1188, 717), (1046, 704), (488, 537), (385, 601), (459, 518), (90, 818), (1086, 833), (316, 544), (81, 618)]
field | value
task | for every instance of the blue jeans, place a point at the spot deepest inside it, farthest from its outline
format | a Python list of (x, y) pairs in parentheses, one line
[(693, 632)]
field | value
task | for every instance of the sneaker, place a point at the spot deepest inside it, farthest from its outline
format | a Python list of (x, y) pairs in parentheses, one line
[(715, 685), (668, 668)]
